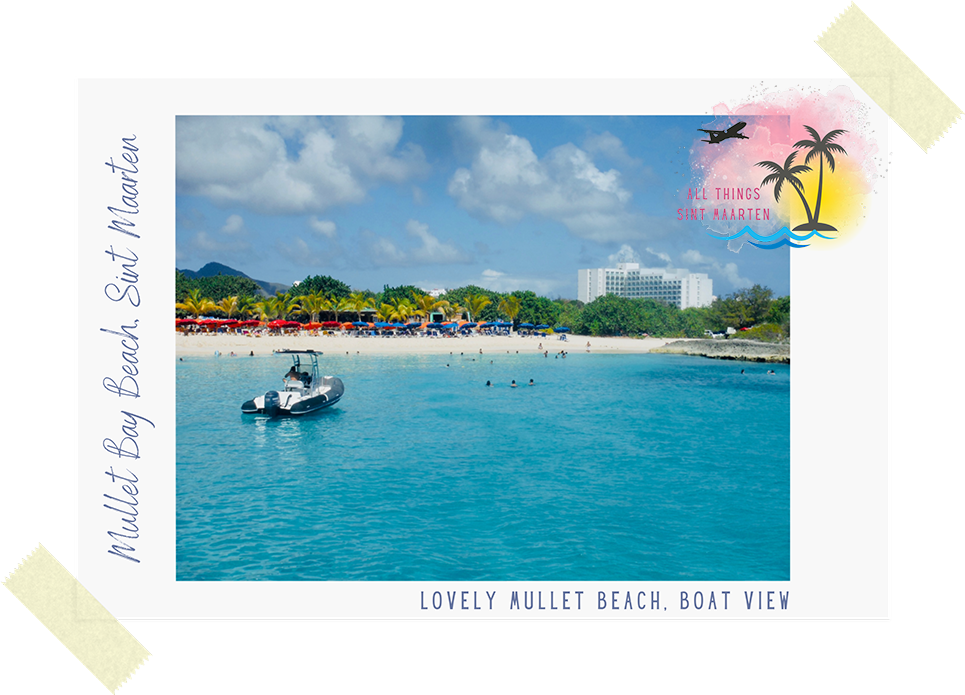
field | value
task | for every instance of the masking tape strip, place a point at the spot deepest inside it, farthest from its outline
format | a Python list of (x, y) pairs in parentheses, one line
[(76, 618), (889, 77)]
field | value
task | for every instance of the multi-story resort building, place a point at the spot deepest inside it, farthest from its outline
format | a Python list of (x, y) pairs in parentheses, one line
[(679, 287)]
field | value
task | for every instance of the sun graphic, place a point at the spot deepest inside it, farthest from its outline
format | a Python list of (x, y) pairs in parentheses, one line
[(844, 196)]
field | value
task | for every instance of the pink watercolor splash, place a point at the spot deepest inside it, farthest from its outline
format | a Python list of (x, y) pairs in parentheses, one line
[(774, 123), (823, 112)]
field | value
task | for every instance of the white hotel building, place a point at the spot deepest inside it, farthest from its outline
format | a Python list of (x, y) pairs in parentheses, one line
[(679, 287)]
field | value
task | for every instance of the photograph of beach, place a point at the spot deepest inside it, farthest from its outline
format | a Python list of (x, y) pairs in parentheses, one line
[(475, 348)]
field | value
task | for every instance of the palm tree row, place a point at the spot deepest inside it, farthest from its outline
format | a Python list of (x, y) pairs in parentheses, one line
[(313, 304)]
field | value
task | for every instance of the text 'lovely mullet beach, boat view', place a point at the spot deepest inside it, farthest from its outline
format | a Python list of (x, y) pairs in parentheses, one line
[(509, 405)]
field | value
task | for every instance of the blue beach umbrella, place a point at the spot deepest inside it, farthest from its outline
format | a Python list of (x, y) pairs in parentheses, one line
[(434, 325), (526, 325), (561, 329), (541, 327), (360, 324)]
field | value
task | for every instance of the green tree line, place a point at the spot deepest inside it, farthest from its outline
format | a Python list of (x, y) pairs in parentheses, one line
[(323, 298)]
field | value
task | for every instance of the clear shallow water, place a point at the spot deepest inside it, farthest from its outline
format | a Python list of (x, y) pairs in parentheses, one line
[(612, 467)]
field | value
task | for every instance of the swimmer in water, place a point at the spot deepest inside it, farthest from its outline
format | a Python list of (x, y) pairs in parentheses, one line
[(513, 384), (489, 383)]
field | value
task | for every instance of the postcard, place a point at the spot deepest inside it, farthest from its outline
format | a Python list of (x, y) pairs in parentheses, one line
[(453, 349)]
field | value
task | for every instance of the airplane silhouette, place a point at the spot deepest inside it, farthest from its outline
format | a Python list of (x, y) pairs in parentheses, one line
[(719, 135)]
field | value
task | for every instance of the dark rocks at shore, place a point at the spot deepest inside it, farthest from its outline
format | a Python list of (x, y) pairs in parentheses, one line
[(746, 350)]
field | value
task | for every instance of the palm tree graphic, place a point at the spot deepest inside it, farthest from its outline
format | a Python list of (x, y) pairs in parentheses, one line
[(822, 148), (789, 174)]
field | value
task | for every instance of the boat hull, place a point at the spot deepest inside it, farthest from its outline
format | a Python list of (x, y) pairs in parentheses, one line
[(273, 404)]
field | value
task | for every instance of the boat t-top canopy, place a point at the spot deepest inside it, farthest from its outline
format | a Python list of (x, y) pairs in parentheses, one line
[(296, 358)]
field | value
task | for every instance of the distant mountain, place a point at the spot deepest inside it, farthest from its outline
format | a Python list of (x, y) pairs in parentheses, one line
[(212, 269)]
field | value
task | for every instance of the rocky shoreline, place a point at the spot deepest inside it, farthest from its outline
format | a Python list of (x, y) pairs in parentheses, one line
[(746, 350)]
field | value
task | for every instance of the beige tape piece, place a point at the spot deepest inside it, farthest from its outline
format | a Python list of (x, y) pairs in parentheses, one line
[(889, 77), (76, 618)]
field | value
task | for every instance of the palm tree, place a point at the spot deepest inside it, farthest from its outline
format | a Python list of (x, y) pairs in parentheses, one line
[(790, 174), (452, 310), (425, 304), (246, 306), (510, 306), (337, 305), (396, 310), (821, 148), (229, 306), (264, 310), (281, 305), (313, 304), (475, 303), (359, 302), (196, 305)]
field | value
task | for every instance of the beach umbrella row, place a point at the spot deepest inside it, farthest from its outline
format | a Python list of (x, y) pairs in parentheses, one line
[(215, 323), (381, 325)]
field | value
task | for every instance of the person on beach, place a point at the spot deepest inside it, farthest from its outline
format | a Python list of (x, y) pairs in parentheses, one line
[(540, 346), (251, 354)]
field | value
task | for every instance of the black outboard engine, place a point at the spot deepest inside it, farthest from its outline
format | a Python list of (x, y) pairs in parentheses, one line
[(272, 403)]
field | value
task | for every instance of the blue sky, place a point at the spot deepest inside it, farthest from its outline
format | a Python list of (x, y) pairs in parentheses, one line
[(502, 202)]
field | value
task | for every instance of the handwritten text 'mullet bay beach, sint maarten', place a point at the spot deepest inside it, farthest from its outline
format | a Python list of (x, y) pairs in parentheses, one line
[(122, 291)]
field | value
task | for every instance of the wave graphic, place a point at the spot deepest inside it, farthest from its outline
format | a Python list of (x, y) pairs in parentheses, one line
[(782, 242), (782, 232)]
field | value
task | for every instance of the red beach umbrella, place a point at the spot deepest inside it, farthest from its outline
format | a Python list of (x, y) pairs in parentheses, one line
[(331, 324)]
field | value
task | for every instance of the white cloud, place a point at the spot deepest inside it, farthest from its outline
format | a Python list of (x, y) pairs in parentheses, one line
[(432, 250), (298, 252), (661, 255), (233, 225), (626, 254), (204, 243), (610, 146), (325, 228), (503, 282), (507, 181), (246, 161), (727, 271), (383, 251)]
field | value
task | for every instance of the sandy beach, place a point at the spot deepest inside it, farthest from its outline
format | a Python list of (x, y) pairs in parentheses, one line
[(193, 344)]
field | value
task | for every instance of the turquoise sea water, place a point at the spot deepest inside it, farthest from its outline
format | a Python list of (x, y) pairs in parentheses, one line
[(612, 467)]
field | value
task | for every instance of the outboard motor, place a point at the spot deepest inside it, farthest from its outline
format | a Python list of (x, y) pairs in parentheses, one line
[(272, 403)]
